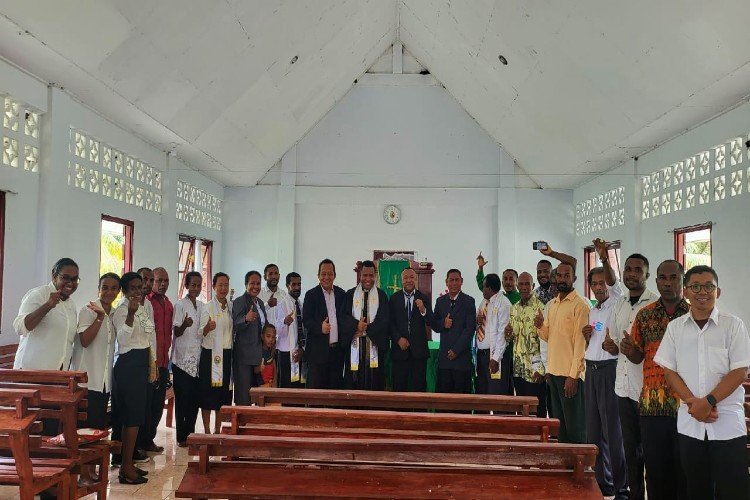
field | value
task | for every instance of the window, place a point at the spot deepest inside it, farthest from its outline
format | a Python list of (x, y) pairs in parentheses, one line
[(2, 246), (116, 248), (591, 260), (195, 255), (692, 245)]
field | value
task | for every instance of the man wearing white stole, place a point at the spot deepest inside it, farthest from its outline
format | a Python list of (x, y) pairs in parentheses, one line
[(290, 334), (363, 326)]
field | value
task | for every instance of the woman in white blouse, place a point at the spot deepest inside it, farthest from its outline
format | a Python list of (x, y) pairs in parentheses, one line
[(215, 370), (133, 328), (93, 353), (190, 319)]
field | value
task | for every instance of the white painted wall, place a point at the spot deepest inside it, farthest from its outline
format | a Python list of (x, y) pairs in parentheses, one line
[(406, 141), (48, 219), (653, 237)]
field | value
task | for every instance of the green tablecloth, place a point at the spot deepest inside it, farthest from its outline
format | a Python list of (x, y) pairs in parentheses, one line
[(432, 366)]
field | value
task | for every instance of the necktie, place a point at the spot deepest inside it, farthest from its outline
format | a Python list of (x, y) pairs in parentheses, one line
[(480, 327), (408, 313), (301, 341), (366, 306)]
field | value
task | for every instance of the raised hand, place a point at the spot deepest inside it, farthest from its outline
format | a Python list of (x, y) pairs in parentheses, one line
[(609, 344), (420, 305), (211, 325), (362, 324), (539, 319), (251, 316), (272, 300), (187, 322), (134, 302), (326, 327), (587, 331), (54, 299), (601, 248), (289, 319), (626, 344), (96, 308), (481, 261), (546, 251), (448, 323)]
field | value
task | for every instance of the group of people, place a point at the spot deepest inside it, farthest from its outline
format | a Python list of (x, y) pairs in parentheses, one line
[(649, 378)]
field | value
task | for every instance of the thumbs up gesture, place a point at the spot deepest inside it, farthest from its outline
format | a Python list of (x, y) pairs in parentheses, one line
[(326, 328), (626, 344), (448, 323), (187, 322), (209, 326), (609, 344), (420, 305), (539, 319), (289, 319), (587, 331), (481, 261), (251, 316), (272, 300), (362, 324)]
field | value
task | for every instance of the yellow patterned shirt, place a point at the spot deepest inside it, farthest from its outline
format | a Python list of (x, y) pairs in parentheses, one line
[(527, 358)]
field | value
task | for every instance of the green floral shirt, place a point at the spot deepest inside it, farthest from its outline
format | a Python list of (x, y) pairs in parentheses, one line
[(527, 358)]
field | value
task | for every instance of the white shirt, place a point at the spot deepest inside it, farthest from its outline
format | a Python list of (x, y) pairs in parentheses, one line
[(283, 308), (629, 380), (330, 298), (600, 319), (137, 336), (49, 345), (186, 349), (498, 315), (702, 358), (152, 341), (223, 319), (265, 294), (98, 358)]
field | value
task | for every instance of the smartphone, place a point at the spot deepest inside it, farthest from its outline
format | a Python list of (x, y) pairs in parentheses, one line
[(539, 245)]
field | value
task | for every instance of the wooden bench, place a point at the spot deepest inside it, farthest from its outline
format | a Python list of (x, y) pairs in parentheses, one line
[(62, 398), (387, 468), (309, 422), (375, 400), (31, 476), (8, 355)]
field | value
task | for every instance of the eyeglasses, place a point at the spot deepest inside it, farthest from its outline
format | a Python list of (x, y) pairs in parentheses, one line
[(69, 279), (697, 287)]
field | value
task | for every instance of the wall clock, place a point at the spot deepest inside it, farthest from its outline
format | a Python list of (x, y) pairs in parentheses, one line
[(392, 214)]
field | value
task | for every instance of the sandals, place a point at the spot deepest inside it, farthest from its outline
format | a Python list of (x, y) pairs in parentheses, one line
[(126, 480)]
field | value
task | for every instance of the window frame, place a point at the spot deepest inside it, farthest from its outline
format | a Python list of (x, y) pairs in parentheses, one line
[(590, 257), (2, 247), (679, 240), (129, 231), (190, 263)]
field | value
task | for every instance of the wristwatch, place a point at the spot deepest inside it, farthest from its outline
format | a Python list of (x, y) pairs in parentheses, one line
[(711, 400)]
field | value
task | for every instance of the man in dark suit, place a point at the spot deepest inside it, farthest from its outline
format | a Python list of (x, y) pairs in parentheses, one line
[(324, 355), (455, 318), (249, 317), (363, 323), (410, 313)]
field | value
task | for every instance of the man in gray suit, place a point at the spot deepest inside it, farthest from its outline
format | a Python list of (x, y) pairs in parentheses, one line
[(249, 317)]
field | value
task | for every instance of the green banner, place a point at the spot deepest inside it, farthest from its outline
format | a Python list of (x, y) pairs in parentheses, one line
[(389, 275)]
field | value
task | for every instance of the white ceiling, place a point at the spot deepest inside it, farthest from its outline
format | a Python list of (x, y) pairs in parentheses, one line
[(588, 84)]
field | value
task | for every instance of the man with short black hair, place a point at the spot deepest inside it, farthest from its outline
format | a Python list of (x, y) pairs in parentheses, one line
[(290, 334), (492, 318), (658, 403), (455, 321), (546, 290), (272, 293), (324, 355), (705, 355)]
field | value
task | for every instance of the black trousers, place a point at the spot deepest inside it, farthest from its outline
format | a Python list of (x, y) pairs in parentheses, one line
[(285, 371), (482, 382), (157, 402), (144, 431), (185, 403), (454, 381), (506, 371), (664, 476), (526, 388), (630, 423), (328, 375), (410, 374), (603, 427), (715, 469)]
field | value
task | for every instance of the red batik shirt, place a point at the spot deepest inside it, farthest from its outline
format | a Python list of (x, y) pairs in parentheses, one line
[(163, 323)]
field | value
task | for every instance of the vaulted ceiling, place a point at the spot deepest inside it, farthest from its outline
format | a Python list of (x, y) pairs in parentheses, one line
[(231, 85)]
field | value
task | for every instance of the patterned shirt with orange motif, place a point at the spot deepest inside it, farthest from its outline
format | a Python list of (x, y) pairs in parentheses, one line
[(657, 399)]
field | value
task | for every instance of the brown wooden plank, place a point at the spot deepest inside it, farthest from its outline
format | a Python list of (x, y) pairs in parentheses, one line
[(312, 418), (393, 400), (245, 480)]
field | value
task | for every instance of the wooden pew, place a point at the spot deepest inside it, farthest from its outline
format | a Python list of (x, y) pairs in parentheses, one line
[(525, 405), (8, 355), (62, 398), (309, 422), (31, 476), (387, 468)]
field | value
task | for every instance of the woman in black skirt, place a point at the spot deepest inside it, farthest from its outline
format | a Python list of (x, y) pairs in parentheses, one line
[(215, 369), (133, 328)]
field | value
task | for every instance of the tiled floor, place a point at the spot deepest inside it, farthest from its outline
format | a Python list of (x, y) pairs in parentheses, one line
[(165, 473)]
